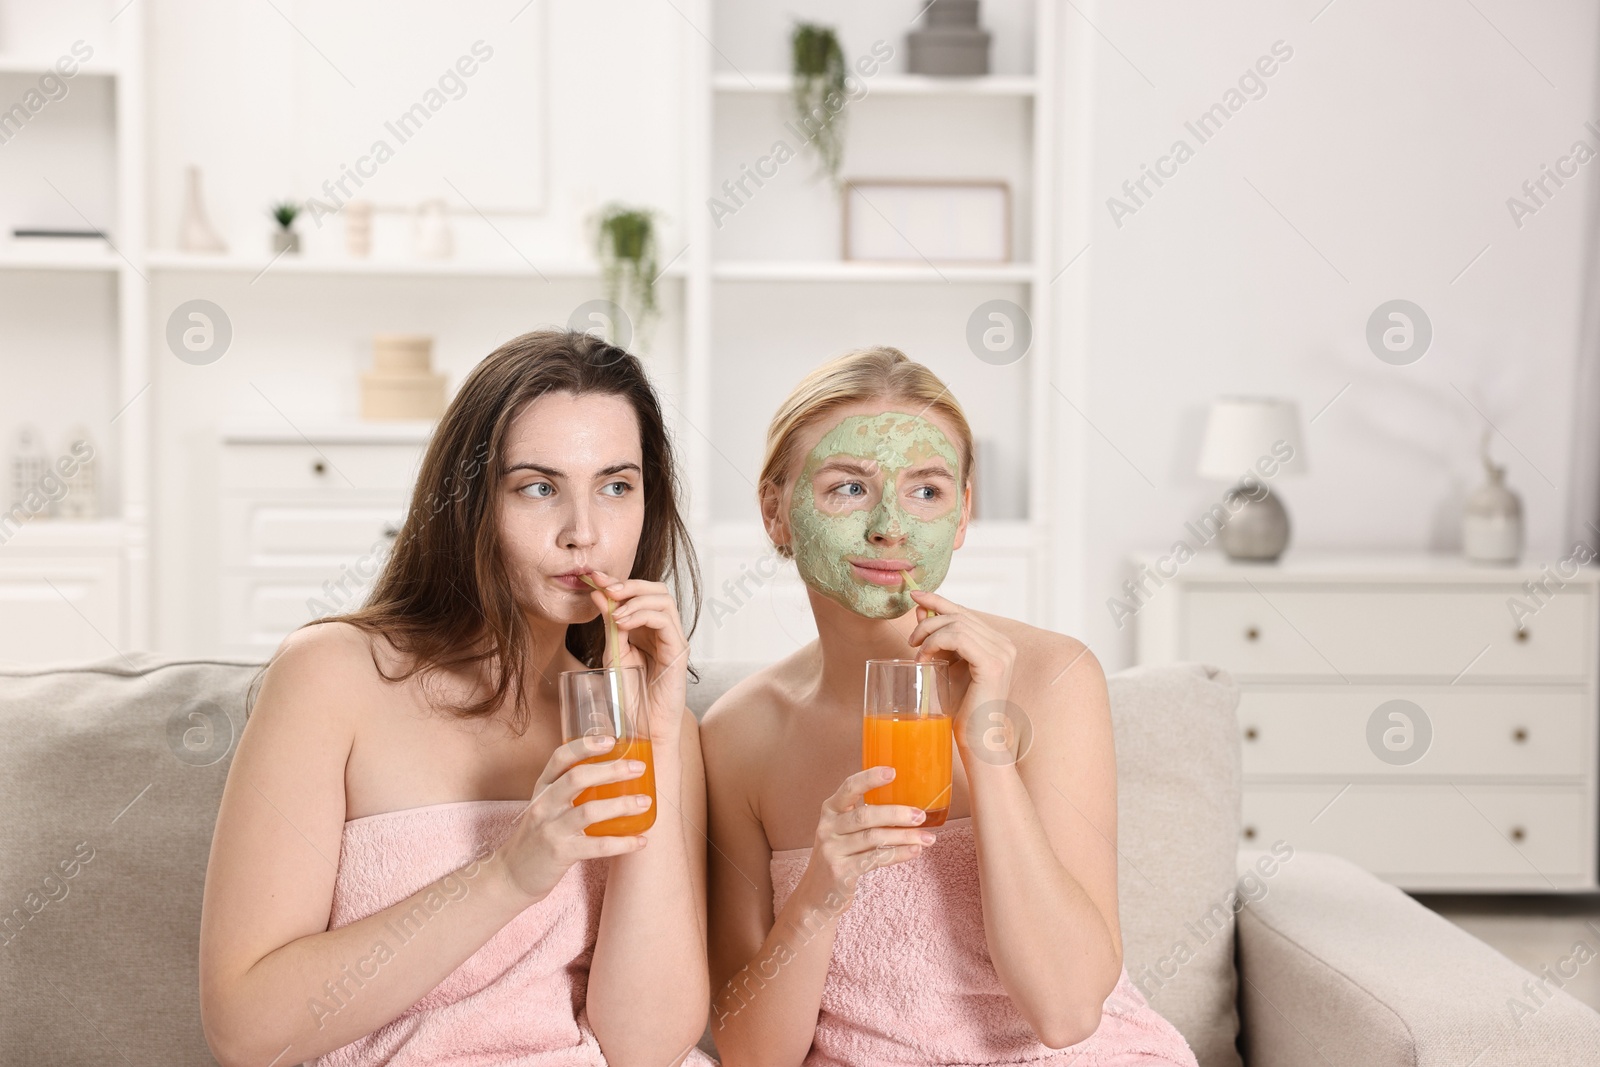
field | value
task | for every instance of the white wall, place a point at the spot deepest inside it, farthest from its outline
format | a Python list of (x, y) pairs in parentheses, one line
[(1390, 141)]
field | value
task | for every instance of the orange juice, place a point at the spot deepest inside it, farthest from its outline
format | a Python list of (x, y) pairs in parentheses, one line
[(623, 825), (919, 750)]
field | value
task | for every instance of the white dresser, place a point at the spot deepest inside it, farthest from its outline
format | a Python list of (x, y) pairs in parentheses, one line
[(307, 517), (1402, 710)]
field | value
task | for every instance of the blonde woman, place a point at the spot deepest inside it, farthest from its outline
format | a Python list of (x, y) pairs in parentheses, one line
[(845, 932)]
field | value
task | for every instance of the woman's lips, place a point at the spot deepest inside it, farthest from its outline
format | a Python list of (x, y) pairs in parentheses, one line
[(572, 581), (887, 572)]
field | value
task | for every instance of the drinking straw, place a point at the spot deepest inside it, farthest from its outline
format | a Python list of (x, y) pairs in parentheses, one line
[(616, 646), (913, 587), (924, 699)]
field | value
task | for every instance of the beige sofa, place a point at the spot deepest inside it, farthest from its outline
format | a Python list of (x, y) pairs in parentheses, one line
[(109, 785)]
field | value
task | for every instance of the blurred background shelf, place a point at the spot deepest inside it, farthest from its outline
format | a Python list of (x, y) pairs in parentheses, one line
[(849, 271), (93, 257), (54, 534), (33, 66), (447, 268), (889, 84)]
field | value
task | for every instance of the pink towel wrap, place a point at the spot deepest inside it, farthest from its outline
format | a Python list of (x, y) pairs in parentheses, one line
[(516, 1002), (911, 981)]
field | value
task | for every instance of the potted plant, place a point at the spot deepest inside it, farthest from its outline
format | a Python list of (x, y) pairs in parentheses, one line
[(819, 94), (625, 242), (285, 240)]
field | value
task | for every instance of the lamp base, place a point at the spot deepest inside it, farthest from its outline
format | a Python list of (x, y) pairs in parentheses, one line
[(1257, 528)]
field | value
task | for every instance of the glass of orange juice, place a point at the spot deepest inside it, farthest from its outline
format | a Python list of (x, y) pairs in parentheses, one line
[(906, 725), (610, 702)]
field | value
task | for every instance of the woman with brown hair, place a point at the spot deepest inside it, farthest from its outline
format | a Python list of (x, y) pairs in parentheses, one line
[(983, 928), (381, 887)]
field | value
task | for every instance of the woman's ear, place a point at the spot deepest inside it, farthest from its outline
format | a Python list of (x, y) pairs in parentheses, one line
[(773, 517), (966, 513)]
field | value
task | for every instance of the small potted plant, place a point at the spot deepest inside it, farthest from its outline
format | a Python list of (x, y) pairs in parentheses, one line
[(285, 239), (819, 73), (625, 242)]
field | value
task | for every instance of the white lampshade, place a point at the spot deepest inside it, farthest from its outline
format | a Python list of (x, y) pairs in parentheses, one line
[(1241, 430)]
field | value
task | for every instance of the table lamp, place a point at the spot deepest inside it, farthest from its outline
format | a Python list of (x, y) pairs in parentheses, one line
[(1248, 441)]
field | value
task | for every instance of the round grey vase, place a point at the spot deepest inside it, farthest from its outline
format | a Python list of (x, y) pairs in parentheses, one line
[(1259, 530)]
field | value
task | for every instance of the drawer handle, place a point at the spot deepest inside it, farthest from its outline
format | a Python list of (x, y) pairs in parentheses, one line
[(318, 467), (1522, 637), (1520, 734), (391, 531), (1252, 634), (1518, 833), (1249, 833), (1250, 733)]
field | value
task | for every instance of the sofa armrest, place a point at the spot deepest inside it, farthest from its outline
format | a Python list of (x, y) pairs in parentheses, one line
[(1337, 967)]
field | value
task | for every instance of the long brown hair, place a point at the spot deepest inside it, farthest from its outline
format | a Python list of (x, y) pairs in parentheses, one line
[(444, 588)]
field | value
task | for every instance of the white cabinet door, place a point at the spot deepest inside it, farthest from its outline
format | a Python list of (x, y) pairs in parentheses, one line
[(60, 607)]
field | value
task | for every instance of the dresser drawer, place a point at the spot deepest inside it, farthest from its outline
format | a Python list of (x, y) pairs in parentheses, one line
[(1483, 730), (286, 533), (1391, 631), (331, 465), (1430, 836)]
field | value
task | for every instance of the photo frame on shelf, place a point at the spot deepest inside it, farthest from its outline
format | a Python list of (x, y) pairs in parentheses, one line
[(916, 220)]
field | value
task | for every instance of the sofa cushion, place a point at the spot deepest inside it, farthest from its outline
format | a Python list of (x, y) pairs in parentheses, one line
[(110, 777), (1178, 813), (716, 678)]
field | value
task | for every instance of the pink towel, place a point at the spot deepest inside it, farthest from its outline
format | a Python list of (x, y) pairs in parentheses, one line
[(518, 1000), (911, 980)]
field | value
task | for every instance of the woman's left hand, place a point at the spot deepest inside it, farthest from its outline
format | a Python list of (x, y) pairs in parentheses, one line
[(651, 634), (988, 654)]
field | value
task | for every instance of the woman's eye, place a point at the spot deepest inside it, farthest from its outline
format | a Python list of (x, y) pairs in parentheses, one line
[(851, 489), (540, 490), (925, 492), (620, 487)]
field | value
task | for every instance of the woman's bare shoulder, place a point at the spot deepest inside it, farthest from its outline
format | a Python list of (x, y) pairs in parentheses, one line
[(333, 666), (746, 720), (1047, 659), (334, 647)]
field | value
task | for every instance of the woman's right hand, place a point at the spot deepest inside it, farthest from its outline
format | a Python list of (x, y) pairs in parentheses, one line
[(548, 837), (854, 837)]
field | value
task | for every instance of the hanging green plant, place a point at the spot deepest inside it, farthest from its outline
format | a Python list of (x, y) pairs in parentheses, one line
[(625, 242), (819, 93)]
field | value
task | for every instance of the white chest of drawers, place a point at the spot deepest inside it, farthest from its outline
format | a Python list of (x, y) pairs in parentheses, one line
[(307, 516), (1431, 720)]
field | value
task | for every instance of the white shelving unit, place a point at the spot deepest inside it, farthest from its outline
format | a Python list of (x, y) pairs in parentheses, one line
[(734, 103), (79, 589), (745, 310)]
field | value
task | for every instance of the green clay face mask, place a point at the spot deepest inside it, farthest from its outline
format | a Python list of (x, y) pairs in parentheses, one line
[(874, 489)]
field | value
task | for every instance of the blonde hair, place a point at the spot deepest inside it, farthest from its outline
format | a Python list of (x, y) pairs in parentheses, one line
[(878, 373)]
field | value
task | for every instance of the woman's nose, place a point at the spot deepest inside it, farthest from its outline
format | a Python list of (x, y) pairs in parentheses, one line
[(884, 526), (579, 529)]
